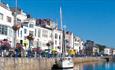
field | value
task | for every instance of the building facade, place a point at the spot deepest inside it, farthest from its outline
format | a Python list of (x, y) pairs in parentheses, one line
[(107, 51), (6, 23), (89, 47), (113, 52), (45, 32), (78, 44), (95, 51)]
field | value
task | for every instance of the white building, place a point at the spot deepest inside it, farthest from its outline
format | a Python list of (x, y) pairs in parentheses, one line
[(95, 50), (69, 39), (57, 38), (113, 52), (42, 37), (47, 32), (6, 23), (44, 31), (28, 28), (107, 51), (77, 44)]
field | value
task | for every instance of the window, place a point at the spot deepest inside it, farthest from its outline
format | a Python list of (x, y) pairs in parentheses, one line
[(59, 37), (3, 29), (44, 33), (9, 19), (25, 24), (75, 39), (35, 32), (18, 20), (1, 16), (10, 32), (66, 41), (18, 33), (31, 32), (39, 32), (56, 36), (55, 42), (21, 33), (31, 25), (51, 35), (25, 31), (0, 29)]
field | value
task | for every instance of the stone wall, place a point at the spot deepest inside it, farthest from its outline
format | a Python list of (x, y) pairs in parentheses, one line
[(86, 59), (35, 63), (26, 63)]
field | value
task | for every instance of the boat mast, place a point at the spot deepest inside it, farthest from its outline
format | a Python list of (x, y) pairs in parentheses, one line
[(61, 15), (61, 28)]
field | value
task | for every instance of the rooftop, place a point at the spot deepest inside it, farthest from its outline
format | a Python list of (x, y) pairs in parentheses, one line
[(4, 5)]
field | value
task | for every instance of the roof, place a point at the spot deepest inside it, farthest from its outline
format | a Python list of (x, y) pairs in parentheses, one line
[(6, 6)]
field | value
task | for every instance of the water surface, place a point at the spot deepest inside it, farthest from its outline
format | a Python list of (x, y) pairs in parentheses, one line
[(96, 66)]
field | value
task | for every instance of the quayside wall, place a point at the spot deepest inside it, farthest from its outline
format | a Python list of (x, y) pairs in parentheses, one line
[(36, 63)]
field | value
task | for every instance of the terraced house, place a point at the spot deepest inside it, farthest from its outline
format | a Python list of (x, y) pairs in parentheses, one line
[(45, 32), (6, 23)]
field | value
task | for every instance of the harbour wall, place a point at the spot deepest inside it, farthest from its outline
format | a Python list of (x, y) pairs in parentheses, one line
[(37, 63)]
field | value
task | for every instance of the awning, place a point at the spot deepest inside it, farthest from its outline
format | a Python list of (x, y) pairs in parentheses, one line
[(72, 52), (54, 49)]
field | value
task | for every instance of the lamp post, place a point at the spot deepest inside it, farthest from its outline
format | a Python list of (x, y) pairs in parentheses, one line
[(30, 38), (15, 26)]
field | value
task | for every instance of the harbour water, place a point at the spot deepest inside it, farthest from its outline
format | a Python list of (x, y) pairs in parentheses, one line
[(95, 66)]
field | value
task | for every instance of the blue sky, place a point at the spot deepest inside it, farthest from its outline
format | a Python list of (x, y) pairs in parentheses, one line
[(89, 19)]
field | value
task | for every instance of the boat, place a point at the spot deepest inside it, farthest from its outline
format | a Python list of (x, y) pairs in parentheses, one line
[(64, 62)]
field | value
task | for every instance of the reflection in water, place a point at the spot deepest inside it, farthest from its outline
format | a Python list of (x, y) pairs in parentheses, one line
[(69, 69), (65, 69), (94, 66), (107, 65), (88, 67), (78, 67)]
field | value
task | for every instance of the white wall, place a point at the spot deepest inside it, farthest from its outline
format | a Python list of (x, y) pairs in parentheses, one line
[(4, 22), (107, 51), (78, 43)]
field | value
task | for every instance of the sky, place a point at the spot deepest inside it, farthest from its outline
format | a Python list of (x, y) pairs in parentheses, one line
[(88, 19)]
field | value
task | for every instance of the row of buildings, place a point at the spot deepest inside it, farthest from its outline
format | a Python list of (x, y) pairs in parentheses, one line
[(91, 48), (45, 32)]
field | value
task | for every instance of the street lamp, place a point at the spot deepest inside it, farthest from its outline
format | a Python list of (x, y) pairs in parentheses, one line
[(15, 26), (30, 38)]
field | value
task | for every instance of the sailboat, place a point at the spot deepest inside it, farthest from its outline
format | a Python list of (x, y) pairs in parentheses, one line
[(63, 62)]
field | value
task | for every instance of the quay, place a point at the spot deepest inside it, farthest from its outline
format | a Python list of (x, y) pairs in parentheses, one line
[(38, 63)]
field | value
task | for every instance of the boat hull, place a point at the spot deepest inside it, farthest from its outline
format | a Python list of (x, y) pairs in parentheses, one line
[(55, 67), (64, 64)]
